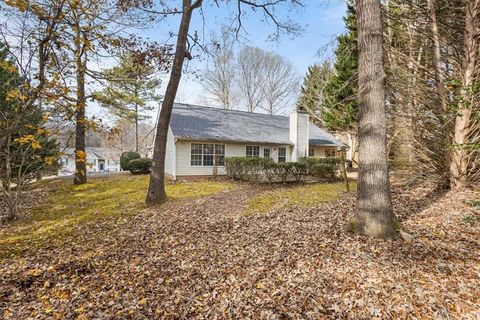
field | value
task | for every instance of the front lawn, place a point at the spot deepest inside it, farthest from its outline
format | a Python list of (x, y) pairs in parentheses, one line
[(303, 195), (201, 256), (108, 201)]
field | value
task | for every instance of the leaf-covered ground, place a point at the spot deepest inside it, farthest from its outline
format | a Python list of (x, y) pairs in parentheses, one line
[(60, 209), (206, 258)]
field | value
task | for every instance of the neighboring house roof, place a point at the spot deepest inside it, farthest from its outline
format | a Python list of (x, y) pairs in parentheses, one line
[(93, 152), (191, 122)]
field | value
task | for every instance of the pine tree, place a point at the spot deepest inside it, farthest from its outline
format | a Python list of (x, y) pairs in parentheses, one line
[(312, 91), (340, 106), (130, 87)]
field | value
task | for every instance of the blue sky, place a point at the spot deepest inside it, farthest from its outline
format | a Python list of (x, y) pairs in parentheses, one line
[(321, 21)]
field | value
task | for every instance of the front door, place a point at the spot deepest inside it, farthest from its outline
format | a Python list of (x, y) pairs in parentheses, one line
[(101, 165)]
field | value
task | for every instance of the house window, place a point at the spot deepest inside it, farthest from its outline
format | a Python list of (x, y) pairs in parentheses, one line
[(267, 153), (196, 154), (206, 154), (252, 151), (66, 161), (330, 153), (220, 154), (282, 154), (311, 152)]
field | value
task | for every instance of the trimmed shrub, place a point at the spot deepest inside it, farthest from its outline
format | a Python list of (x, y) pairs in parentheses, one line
[(258, 169), (247, 168), (266, 170), (297, 169), (126, 157), (140, 166), (324, 171), (322, 168)]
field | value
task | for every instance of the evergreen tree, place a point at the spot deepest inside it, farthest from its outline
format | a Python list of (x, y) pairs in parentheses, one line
[(340, 106), (312, 91), (130, 87)]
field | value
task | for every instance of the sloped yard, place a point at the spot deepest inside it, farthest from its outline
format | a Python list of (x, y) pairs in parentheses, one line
[(210, 257), (62, 211)]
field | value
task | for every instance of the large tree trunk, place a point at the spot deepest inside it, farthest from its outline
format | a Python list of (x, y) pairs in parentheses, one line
[(156, 189), (80, 154), (441, 89), (374, 208), (459, 164)]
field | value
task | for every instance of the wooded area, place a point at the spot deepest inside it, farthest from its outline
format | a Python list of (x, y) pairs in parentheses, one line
[(402, 88)]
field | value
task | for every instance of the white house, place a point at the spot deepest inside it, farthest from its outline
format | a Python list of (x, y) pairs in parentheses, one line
[(199, 134), (98, 160)]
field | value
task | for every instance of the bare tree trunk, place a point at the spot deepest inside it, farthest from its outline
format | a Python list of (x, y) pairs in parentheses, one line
[(12, 210), (156, 189), (441, 90), (459, 164), (374, 215), (136, 126), (80, 154), (412, 100)]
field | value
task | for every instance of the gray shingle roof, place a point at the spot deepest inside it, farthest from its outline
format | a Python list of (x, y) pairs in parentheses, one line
[(190, 122)]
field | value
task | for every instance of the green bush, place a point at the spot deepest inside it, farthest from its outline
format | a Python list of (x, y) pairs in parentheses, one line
[(246, 168), (256, 169), (126, 157), (140, 166), (297, 169), (322, 168), (261, 169)]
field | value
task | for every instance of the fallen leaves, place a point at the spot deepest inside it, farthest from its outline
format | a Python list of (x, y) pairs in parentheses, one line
[(204, 258)]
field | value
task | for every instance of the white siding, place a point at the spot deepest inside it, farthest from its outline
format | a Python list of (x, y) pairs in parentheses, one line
[(170, 154), (298, 133), (93, 164), (183, 167), (320, 151)]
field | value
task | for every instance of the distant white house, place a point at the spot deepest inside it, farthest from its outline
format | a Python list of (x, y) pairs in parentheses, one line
[(197, 135), (98, 160)]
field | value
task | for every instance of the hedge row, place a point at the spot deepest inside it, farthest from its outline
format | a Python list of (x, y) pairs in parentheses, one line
[(266, 170)]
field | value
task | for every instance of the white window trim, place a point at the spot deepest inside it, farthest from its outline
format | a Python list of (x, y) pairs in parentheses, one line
[(252, 145), (202, 143), (271, 152), (278, 154)]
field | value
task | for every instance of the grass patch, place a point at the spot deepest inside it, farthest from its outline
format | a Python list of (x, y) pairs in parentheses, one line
[(100, 201), (475, 204), (305, 195)]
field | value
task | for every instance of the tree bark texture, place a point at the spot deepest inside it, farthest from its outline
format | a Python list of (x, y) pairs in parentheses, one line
[(441, 89), (374, 216), (459, 164), (156, 189), (80, 153)]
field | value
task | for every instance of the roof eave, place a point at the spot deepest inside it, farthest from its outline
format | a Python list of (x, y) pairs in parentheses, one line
[(197, 139)]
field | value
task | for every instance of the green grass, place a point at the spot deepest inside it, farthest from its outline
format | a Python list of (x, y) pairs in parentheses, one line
[(101, 200), (305, 195)]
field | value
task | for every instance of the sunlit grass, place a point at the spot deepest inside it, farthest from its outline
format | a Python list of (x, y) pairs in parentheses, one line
[(299, 195), (102, 200)]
